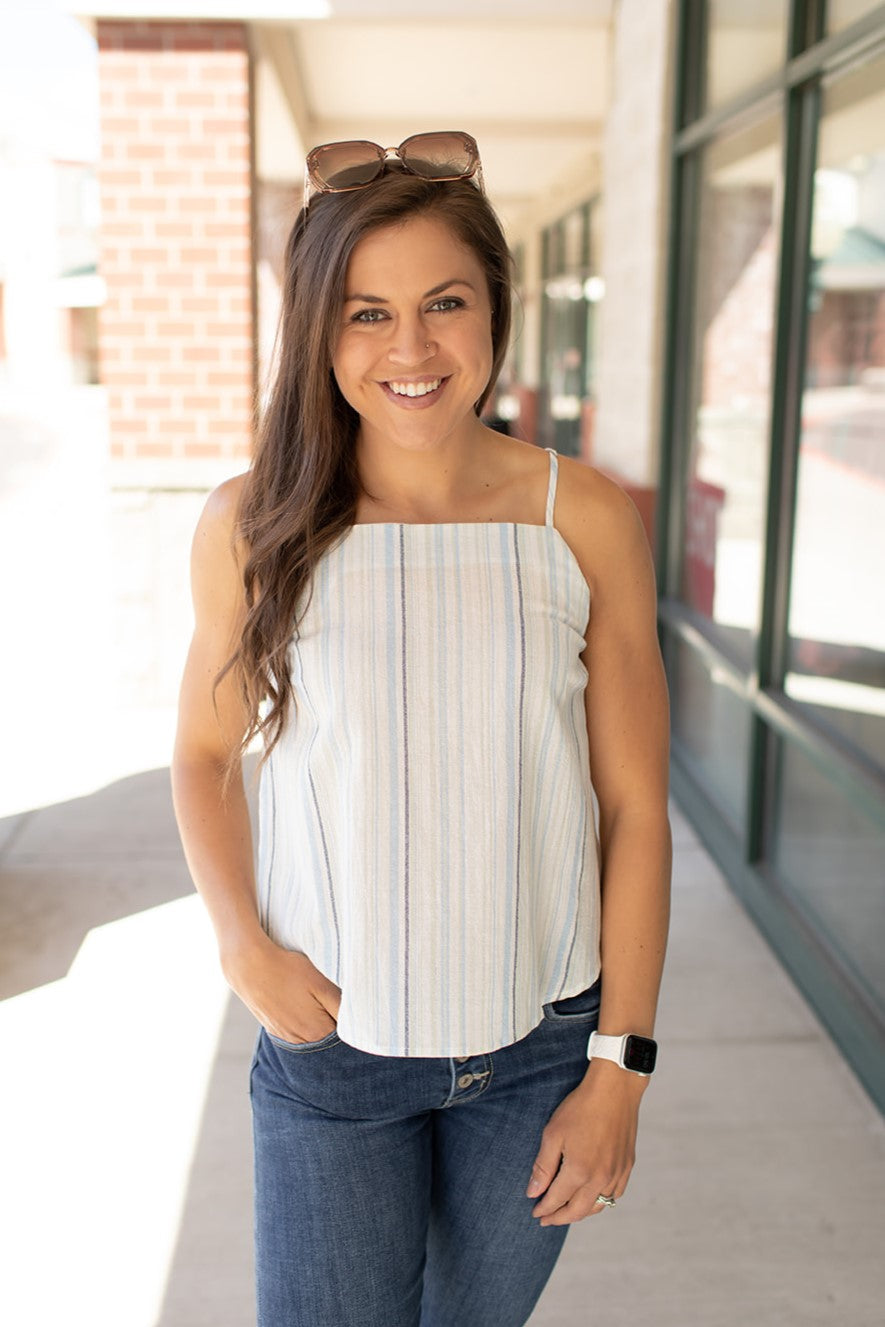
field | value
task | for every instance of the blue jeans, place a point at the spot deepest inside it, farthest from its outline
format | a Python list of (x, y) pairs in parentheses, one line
[(390, 1190)]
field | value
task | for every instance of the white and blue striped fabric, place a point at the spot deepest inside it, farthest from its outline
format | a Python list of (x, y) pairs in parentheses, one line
[(426, 828)]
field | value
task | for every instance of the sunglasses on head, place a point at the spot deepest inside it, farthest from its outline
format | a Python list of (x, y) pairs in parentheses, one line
[(340, 167)]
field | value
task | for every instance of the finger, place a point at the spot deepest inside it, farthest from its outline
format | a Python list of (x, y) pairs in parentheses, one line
[(327, 1010), (579, 1206), (564, 1187), (603, 1202), (329, 997), (546, 1165), (609, 1194), (576, 1209), (568, 1186)]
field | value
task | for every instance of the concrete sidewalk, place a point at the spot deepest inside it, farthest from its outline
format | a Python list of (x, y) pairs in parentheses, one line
[(758, 1196)]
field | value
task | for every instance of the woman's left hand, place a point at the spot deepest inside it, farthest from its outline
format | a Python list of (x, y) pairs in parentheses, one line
[(592, 1133)]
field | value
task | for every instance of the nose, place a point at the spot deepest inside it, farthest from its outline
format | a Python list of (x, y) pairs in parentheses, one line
[(411, 343)]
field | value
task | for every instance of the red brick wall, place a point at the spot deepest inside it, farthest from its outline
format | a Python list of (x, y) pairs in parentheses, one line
[(176, 332), (846, 337), (738, 274)]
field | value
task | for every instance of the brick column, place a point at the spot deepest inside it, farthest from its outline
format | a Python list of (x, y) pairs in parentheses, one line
[(177, 330)]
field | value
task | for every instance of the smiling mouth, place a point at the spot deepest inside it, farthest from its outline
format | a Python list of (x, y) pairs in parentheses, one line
[(415, 394), (414, 388)]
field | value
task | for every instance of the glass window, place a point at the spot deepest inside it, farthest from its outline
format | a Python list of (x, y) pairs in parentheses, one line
[(574, 244), (711, 725), (837, 604), (565, 330), (572, 294), (594, 290), (842, 13), (830, 856), (745, 42), (731, 381)]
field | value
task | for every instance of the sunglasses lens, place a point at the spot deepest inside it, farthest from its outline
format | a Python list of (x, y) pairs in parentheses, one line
[(346, 165), (439, 156)]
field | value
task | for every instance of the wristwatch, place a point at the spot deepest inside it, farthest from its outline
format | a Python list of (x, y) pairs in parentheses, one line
[(638, 1054)]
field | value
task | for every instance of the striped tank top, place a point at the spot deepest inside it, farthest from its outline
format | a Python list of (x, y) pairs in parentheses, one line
[(426, 826)]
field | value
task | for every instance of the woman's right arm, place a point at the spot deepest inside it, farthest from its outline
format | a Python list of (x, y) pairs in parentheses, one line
[(284, 990)]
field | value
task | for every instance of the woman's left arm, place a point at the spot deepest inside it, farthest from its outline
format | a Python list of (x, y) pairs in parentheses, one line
[(588, 1145)]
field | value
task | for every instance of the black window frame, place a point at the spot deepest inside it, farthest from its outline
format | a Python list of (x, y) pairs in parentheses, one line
[(794, 92)]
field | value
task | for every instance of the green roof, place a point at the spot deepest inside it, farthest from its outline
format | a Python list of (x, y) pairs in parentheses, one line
[(857, 248)]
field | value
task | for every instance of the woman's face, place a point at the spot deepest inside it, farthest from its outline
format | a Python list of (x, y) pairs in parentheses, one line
[(414, 350)]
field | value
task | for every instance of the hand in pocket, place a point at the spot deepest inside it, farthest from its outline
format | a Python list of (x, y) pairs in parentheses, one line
[(288, 995)]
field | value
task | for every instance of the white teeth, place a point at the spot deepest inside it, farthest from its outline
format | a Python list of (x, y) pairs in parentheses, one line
[(414, 388)]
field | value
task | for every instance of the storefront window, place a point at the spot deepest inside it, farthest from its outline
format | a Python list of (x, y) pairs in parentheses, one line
[(842, 13), (830, 855), (594, 290), (837, 605), (572, 293), (776, 654), (744, 44), (734, 328), (711, 725)]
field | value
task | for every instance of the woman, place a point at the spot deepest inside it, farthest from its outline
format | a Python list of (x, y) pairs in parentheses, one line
[(386, 597)]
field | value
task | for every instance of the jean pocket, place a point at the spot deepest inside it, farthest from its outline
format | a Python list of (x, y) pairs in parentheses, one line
[(580, 1008), (330, 1039)]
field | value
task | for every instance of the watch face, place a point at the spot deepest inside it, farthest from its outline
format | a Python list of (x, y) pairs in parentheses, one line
[(640, 1054)]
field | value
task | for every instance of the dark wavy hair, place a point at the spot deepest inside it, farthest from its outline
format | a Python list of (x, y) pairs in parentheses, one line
[(301, 491)]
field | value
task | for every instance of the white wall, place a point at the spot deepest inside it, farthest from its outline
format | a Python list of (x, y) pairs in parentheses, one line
[(635, 196)]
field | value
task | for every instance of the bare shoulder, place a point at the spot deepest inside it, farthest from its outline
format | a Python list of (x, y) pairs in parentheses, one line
[(600, 523), (219, 555), (223, 503), (211, 720), (217, 524)]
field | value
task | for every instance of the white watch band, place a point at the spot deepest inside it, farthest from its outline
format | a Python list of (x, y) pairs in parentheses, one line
[(606, 1048)]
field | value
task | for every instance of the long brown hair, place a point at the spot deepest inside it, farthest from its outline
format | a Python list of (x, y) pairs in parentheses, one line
[(301, 491)]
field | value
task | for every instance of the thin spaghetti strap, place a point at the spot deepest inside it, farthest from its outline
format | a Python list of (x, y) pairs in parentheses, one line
[(551, 487)]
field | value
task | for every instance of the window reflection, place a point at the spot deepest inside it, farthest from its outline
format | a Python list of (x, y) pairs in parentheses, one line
[(734, 327), (837, 607), (842, 13), (829, 855), (745, 42), (711, 729), (572, 294)]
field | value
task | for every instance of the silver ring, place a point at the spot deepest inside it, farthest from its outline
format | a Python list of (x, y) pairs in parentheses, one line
[(603, 1198)]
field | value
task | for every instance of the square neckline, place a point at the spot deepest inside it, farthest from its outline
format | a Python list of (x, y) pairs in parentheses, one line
[(491, 525), (461, 525)]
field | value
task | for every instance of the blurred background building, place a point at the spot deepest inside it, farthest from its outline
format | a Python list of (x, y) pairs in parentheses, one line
[(695, 195)]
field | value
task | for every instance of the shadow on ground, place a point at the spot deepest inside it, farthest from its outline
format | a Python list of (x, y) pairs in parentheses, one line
[(70, 867)]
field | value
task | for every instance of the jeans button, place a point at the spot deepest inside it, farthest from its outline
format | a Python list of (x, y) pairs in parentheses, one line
[(461, 1059), (465, 1080)]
